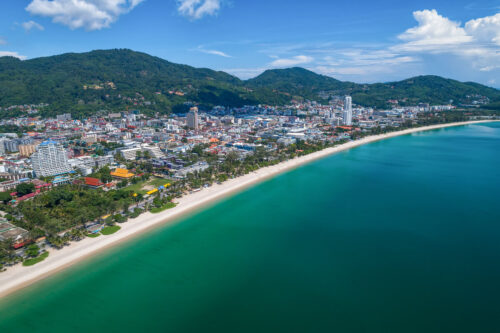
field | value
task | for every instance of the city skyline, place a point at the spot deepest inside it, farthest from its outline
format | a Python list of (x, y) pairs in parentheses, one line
[(355, 41)]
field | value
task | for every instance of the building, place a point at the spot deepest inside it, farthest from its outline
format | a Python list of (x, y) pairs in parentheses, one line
[(130, 154), (50, 159), (192, 118), (347, 114), (64, 117), (27, 150), (154, 151), (122, 174), (18, 236), (102, 161), (2, 145), (93, 182), (197, 167), (12, 146)]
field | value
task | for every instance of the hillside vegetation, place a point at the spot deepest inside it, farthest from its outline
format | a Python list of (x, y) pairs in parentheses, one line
[(110, 80)]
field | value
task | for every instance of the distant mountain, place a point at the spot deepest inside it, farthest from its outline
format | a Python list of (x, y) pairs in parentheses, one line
[(100, 78), (296, 78), (425, 89), (119, 79)]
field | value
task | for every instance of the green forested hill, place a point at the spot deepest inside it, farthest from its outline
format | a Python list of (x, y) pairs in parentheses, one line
[(422, 89), (117, 79)]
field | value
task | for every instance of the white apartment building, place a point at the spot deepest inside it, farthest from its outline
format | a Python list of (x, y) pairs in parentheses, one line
[(347, 114), (50, 159)]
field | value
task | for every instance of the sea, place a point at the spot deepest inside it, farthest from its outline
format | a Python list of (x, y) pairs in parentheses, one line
[(400, 235)]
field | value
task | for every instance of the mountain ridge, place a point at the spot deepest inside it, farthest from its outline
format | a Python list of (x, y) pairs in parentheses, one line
[(87, 82)]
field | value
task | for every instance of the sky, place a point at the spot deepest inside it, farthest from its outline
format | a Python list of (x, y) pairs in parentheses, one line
[(363, 41)]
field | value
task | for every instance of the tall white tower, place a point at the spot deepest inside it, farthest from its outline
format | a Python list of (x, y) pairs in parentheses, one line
[(192, 118), (347, 114)]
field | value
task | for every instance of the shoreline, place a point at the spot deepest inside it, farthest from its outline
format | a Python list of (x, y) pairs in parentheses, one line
[(18, 277)]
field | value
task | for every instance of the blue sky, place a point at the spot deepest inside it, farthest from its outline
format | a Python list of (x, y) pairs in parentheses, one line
[(361, 41)]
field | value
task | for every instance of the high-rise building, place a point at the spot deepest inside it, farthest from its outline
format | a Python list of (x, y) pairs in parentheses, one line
[(50, 159), (192, 118), (347, 114), (27, 150)]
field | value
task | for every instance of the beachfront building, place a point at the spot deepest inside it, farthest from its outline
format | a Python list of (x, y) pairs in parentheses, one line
[(50, 159), (122, 174), (347, 114), (18, 236)]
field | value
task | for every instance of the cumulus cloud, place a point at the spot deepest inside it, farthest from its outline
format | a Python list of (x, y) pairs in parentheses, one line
[(11, 54), (486, 29), (434, 32), (87, 14), (477, 41), (30, 25), (294, 61), (196, 9), (438, 34)]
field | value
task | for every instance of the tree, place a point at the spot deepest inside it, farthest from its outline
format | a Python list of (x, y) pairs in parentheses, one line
[(25, 188), (5, 197), (105, 175), (138, 154), (32, 250), (157, 202)]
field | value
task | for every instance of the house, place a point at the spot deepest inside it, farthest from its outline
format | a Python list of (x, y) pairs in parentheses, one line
[(93, 182), (18, 236)]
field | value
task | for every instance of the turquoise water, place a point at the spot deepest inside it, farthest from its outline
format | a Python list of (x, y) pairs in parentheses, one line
[(401, 235)]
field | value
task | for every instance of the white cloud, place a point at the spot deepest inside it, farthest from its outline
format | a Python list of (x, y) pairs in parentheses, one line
[(486, 29), (88, 14), (11, 54), (215, 52), (477, 42), (30, 25), (196, 9), (294, 61), (489, 68), (433, 33), (3, 41)]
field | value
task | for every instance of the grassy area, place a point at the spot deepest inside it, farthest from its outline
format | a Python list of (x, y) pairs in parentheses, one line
[(93, 235), (110, 230), (169, 205), (137, 188), (33, 261), (155, 182)]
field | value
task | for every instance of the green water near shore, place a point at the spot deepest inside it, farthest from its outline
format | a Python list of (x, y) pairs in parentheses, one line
[(401, 235)]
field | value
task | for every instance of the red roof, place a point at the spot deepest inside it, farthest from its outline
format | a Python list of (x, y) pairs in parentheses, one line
[(27, 196), (93, 182)]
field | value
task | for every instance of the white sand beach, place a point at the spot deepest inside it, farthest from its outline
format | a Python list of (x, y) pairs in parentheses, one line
[(18, 277)]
